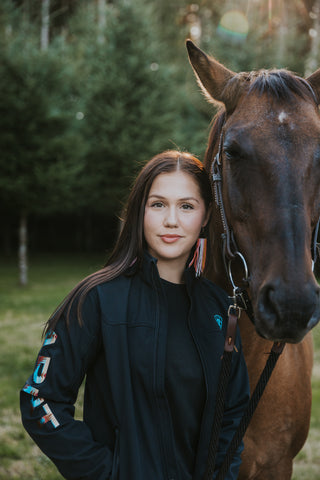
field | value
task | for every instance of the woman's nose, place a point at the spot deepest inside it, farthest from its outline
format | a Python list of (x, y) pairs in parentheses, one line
[(171, 219)]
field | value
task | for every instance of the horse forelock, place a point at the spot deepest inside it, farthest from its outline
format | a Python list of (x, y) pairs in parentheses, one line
[(280, 84)]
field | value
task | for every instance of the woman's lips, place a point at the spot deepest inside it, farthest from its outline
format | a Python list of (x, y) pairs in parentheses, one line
[(170, 238)]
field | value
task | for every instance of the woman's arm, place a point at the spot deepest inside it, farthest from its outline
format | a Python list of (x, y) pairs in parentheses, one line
[(47, 400)]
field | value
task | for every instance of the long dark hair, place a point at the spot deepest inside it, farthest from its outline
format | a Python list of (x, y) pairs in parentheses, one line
[(129, 247)]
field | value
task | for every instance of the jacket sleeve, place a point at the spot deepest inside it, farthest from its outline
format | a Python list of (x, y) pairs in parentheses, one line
[(47, 399), (237, 399)]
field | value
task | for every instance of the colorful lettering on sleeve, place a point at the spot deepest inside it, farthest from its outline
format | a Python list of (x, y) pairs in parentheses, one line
[(39, 375), (50, 338), (36, 401), (40, 372), (49, 417)]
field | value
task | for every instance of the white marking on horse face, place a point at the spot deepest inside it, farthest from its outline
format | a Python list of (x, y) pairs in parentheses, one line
[(282, 117)]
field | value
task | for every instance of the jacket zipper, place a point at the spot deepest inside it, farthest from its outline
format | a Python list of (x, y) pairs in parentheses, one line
[(159, 392), (116, 459), (204, 414)]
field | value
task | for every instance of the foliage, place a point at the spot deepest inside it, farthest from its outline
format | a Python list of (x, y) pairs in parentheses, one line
[(35, 157), (127, 99), (256, 34), (39, 147), (114, 88)]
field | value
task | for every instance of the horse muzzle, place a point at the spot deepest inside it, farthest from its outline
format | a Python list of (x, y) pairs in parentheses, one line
[(284, 314)]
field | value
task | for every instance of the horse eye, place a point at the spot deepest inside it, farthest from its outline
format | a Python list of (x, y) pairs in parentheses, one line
[(231, 152)]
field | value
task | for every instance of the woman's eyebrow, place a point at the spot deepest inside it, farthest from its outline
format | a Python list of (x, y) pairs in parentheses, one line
[(183, 199), (156, 195)]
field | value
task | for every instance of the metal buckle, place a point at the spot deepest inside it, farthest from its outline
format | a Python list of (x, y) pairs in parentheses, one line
[(234, 310)]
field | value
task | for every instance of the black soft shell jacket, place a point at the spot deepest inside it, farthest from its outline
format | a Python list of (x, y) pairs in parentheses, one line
[(126, 432)]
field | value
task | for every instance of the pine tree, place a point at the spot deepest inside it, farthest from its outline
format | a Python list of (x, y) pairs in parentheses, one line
[(127, 99), (38, 143)]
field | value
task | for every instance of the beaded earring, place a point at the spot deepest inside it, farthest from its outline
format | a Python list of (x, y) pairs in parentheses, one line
[(199, 257)]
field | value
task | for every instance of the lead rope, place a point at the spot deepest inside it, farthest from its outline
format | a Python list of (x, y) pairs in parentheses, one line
[(233, 315), (253, 403)]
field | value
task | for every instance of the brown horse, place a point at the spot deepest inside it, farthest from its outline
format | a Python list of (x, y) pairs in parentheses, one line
[(267, 137)]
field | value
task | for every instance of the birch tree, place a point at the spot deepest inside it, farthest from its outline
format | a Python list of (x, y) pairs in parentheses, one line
[(45, 24), (313, 58), (23, 227)]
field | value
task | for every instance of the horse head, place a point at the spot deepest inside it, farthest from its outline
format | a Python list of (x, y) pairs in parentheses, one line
[(267, 140)]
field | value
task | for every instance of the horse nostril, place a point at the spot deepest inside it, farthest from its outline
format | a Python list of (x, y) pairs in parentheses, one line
[(267, 303), (284, 314), (268, 318)]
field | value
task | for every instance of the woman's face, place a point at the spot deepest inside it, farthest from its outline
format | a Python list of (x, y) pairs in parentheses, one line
[(174, 214)]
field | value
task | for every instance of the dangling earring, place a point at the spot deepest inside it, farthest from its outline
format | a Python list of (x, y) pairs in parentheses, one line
[(199, 257)]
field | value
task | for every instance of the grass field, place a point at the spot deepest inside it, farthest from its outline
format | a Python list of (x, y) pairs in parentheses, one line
[(23, 312)]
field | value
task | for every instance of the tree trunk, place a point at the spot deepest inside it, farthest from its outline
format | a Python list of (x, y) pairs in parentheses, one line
[(102, 20), (45, 24), (23, 248), (312, 61)]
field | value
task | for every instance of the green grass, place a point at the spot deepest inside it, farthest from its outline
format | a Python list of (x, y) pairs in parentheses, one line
[(307, 462), (23, 312)]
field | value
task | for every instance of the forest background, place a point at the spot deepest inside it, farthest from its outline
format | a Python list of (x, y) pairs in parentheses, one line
[(91, 89)]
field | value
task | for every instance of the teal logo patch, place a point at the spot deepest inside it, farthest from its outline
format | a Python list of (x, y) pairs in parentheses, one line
[(219, 320)]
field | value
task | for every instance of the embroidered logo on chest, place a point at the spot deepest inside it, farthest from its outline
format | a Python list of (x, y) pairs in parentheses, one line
[(219, 320)]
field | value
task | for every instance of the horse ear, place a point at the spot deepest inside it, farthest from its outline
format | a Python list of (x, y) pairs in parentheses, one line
[(314, 80), (211, 75)]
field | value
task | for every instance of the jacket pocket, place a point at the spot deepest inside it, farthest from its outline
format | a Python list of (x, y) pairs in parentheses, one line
[(116, 457)]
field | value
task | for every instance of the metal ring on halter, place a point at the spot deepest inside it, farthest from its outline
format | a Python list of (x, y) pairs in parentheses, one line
[(245, 269)]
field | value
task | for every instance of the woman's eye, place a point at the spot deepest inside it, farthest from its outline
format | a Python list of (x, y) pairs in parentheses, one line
[(187, 206), (157, 204)]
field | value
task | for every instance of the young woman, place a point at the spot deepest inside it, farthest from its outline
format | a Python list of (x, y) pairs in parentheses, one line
[(147, 331)]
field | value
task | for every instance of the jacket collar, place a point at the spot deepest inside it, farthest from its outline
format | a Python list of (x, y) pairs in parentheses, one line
[(150, 272)]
